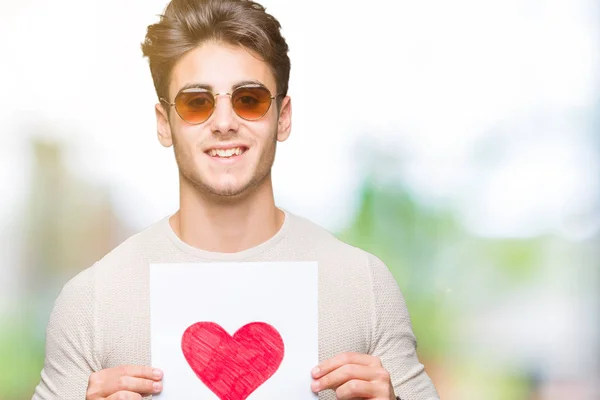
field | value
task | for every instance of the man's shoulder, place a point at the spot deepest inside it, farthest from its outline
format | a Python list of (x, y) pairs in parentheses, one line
[(145, 242), (137, 248), (315, 236), (122, 259)]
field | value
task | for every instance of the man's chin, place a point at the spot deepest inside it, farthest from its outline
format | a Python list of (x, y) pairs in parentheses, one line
[(229, 192), (226, 190)]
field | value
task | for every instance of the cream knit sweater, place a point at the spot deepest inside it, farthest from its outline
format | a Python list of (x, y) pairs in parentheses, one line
[(101, 318)]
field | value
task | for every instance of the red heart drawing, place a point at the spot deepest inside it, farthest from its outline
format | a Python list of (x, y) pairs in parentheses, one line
[(233, 367)]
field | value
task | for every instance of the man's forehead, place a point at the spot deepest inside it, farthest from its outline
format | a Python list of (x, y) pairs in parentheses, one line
[(220, 67)]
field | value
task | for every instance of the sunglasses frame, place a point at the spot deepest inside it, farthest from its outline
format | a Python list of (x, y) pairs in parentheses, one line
[(214, 96)]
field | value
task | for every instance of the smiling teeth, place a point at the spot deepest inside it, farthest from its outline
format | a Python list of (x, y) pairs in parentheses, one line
[(226, 152)]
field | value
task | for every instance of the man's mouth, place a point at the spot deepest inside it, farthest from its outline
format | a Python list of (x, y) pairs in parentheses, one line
[(227, 153)]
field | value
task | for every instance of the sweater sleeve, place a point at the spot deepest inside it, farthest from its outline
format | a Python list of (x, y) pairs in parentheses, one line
[(393, 340), (70, 356)]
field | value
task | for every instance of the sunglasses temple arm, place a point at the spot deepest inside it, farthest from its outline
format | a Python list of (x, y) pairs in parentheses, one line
[(166, 102)]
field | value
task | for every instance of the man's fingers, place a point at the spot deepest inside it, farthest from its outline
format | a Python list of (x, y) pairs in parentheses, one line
[(355, 389), (343, 374), (342, 359), (123, 395), (133, 378), (124, 381), (137, 385), (140, 371), (110, 381)]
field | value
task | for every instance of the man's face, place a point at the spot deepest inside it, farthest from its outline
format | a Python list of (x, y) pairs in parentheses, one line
[(213, 172)]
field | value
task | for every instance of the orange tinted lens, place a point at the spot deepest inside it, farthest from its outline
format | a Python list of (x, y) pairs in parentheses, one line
[(251, 102), (194, 107)]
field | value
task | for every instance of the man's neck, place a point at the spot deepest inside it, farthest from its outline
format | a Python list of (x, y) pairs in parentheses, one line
[(227, 227)]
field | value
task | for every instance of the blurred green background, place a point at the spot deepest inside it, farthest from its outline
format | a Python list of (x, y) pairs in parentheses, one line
[(458, 141)]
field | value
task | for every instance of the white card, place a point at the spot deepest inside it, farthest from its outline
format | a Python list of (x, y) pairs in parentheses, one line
[(231, 331)]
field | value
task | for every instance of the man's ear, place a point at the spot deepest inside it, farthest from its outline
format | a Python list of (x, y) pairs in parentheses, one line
[(162, 124), (284, 126)]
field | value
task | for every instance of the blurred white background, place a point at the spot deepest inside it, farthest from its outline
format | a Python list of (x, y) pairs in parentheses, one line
[(486, 110)]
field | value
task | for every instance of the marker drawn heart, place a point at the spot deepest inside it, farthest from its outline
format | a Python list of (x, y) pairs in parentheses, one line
[(233, 367)]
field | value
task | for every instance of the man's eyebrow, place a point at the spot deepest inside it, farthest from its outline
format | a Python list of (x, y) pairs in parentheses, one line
[(247, 83), (196, 86), (210, 87)]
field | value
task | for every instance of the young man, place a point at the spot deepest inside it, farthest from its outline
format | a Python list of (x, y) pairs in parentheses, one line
[(221, 69)]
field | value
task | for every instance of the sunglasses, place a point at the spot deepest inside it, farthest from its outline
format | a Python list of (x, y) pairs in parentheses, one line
[(196, 105)]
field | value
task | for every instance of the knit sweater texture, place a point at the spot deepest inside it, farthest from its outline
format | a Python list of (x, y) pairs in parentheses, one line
[(101, 318)]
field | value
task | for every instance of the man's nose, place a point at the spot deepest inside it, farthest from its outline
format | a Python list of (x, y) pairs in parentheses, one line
[(223, 118)]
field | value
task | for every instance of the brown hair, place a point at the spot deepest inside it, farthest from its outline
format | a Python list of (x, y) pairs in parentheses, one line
[(186, 24)]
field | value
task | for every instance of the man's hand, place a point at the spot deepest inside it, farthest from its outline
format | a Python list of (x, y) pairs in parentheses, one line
[(128, 382), (352, 376)]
